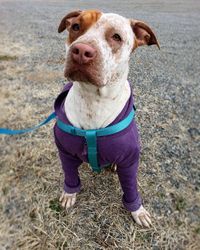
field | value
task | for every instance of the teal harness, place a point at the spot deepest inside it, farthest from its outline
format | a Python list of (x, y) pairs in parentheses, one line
[(90, 134)]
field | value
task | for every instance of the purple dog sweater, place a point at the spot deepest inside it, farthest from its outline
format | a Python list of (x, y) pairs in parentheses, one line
[(121, 149)]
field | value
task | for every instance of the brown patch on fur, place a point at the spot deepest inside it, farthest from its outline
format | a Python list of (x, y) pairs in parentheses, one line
[(115, 45), (135, 45), (144, 34), (85, 19)]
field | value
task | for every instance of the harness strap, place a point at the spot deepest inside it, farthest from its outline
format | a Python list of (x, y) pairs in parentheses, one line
[(99, 132), (91, 139), (92, 134)]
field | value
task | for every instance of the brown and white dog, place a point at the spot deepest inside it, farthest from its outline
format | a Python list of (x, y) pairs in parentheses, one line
[(98, 50)]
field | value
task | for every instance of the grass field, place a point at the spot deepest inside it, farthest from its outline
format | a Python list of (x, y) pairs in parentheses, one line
[(166, 87)]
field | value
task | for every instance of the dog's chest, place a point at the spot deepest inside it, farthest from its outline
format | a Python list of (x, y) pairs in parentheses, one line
[(93, 110)]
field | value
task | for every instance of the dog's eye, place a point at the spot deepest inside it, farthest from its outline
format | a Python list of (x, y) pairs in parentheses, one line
[(117, 37), (76, 27)]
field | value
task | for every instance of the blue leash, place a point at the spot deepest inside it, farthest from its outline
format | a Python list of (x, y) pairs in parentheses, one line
[(90, 134), (7, 131)]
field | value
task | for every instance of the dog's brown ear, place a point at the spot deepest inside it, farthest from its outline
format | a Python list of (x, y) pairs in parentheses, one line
[(66, 21), (144, 34)]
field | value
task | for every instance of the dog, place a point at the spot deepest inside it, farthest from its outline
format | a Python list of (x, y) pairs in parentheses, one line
[(98, 50)]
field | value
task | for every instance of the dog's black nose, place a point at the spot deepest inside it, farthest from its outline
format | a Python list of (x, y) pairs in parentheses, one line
[(83, 53)]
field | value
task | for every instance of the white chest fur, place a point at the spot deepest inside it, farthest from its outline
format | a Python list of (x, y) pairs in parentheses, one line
[(89, 107)]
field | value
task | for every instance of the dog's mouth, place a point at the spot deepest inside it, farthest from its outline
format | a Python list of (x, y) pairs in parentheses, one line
[(80, 75), (83, 73)]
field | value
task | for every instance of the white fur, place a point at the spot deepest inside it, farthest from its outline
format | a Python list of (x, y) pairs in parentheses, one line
[(88, 110)]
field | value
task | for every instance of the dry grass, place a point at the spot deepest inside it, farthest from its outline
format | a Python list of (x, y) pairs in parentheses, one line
[(31, 181)]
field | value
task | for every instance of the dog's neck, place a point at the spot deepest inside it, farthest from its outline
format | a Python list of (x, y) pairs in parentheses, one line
[(91, 107)]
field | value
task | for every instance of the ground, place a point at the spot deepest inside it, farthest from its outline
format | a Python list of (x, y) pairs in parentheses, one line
[(166, 87)]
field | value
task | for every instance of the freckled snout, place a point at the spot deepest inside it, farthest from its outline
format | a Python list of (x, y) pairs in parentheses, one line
[(82, 53)]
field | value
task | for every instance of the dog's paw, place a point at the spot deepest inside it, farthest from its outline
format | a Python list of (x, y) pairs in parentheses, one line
[(142, 217), (67, 200)]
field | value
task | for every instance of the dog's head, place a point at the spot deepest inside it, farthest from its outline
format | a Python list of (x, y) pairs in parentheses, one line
[(99, 45)]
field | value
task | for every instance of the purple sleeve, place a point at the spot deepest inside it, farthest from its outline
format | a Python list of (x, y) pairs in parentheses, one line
[(70, 166), (127, 173)]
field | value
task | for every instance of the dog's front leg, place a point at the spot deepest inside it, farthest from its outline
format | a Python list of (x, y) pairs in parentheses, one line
[(131, 199), (70, 164)]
